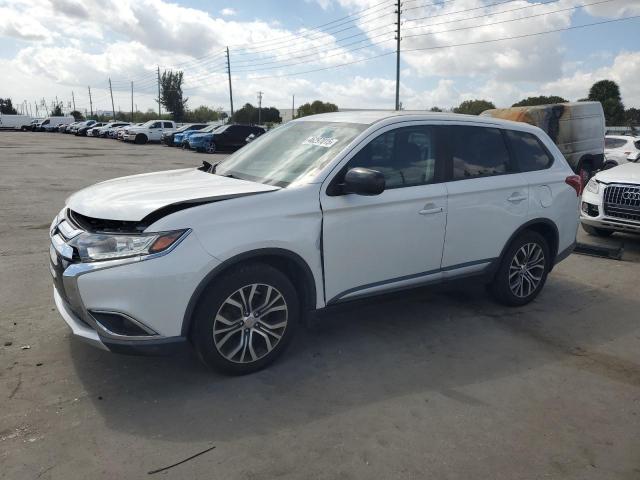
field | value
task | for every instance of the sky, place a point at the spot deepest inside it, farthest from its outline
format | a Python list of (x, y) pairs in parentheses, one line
[(341, 51)]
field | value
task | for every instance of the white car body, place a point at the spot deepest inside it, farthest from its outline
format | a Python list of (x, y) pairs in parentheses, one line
[(150, 131), (611, 201), (621, 149), (15, 122), (345, 246), (54, 121)]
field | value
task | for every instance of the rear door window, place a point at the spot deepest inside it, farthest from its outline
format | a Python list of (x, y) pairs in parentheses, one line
[(168, 125), (478, 152), (529, 152)]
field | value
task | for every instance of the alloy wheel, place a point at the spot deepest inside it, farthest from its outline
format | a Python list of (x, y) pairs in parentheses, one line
[(250, 323), (526, 270)]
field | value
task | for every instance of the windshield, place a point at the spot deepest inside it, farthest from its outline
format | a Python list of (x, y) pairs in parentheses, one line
[(289, 152)]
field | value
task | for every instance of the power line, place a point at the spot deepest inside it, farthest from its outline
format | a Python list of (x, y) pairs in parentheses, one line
[(437, 47), (509, 20)]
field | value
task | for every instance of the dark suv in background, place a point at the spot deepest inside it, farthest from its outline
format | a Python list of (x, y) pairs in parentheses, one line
[(167, 138), (227, 137)]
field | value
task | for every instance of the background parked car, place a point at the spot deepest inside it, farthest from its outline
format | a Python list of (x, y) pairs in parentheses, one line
[(182, 139), (618, 149), (167, 137), (84, 131), (52, 121), (81, 126), (105, 130), (227, 137)]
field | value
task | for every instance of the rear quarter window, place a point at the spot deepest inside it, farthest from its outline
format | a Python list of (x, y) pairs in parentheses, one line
[(478, 152), (530, 154)]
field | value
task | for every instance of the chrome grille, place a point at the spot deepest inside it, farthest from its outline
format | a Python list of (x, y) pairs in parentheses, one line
[(622, 201)]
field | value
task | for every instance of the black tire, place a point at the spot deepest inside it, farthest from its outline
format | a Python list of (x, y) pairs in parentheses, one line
[(185, 145), (141, 139), (24, 129), (211, 148), (598, 232), (501, 286), (213, 302)]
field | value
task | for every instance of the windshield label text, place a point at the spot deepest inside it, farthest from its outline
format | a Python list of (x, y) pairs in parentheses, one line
[(325, 142)]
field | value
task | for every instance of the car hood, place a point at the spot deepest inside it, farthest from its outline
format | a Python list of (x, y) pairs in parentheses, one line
[(627, 172), (135, 197)]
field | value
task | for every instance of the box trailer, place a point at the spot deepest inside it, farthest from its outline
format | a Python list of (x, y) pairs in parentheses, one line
[(15, 122), (576, 128)]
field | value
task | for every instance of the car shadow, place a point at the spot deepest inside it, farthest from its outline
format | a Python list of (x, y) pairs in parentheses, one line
[(426, 342)]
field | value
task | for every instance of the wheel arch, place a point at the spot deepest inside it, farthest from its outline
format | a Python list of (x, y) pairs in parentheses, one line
[(288, 262), (545, 227)]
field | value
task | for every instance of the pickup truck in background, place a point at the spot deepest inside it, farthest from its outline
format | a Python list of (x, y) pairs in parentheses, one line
[(150, 131)]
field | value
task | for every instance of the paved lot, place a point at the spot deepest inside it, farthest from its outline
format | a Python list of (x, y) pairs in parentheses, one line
[(440, 384)]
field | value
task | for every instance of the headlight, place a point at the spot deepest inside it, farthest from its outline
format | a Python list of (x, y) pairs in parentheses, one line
[(593, 186), (94, 247)]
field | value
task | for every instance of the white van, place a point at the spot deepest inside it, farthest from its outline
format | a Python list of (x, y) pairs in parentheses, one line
[(576, 128), (15, 122), (53, 122)]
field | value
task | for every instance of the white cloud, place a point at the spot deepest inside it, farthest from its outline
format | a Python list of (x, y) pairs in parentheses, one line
[(227, 12)]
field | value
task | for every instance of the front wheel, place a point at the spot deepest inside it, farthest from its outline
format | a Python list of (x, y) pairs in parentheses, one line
[(598, 232), (245, 319), (523, 270), (141, 139), (211, 148)]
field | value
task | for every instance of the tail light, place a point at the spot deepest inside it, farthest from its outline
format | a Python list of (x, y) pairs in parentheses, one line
[(575, 182)]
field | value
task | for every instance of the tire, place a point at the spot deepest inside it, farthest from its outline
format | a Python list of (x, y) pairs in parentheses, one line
[(514, 287), (24, 129), (609, 164), (211, 148), (230, 342), (141, 139), (185, 146), (598, 232)]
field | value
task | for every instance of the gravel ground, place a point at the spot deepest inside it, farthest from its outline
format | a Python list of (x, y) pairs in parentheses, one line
[(439, 383)]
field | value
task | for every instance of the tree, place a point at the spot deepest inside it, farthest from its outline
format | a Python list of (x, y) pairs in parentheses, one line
[(77, 115), (540, 100), (6, 107), (607, 93), (632, 117), (435, 109), (202, 114), (56, 111), (316, 107), (474, 107), (171, 94), (249, 114)]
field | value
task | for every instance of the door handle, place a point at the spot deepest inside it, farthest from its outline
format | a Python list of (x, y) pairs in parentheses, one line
[(516, 197), (430, 211)]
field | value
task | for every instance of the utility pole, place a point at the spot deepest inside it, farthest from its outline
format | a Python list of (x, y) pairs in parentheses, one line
[(159, 111), (260, 108), (230, 90), (113, 109), (293, 107), (132, 102), (398, 11), (74, 100), (90, 104), (36, 104), (44, 104)]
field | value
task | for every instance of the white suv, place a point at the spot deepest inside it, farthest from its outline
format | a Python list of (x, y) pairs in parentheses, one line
[(619, 149), (611, 201), (319, 211), (150, 131)]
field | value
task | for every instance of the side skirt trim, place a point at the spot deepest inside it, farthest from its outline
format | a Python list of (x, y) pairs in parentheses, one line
[(341, 296)]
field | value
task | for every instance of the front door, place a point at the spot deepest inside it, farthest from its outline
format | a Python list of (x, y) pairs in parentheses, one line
[(395, 239)]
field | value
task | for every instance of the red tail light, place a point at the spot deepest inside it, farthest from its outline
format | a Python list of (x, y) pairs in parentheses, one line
[(575, 182)]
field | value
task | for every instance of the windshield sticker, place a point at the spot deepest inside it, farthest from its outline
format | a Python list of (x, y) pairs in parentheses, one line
[(326, 142)]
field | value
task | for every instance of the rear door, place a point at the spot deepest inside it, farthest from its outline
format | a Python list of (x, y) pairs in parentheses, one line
[(488, 199)]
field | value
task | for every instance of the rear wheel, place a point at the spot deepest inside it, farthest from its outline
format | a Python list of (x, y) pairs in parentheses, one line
[(211, 148), (598, 232), (523, 270), (245, 319)]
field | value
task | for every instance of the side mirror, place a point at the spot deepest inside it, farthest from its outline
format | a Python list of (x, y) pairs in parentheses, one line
[(363, 181)]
